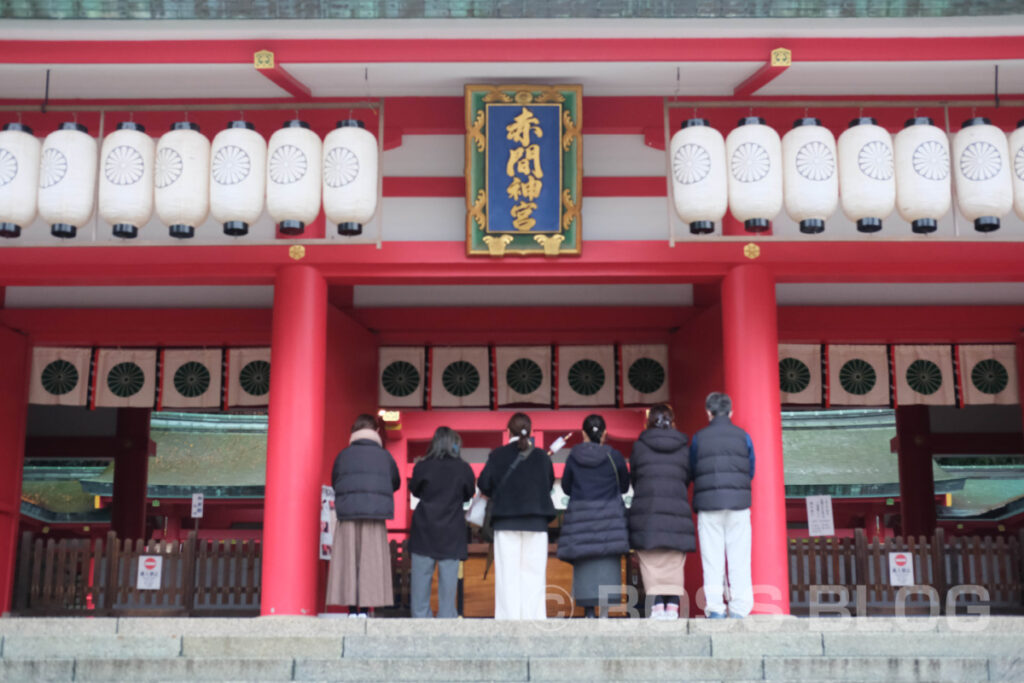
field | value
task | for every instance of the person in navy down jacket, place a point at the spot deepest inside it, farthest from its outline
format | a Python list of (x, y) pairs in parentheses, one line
[(722, 461), (442, 481), (660, 522), (594, 533)]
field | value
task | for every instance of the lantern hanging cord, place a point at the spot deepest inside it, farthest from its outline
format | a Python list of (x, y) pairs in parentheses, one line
[(996, 89), (46, 93)]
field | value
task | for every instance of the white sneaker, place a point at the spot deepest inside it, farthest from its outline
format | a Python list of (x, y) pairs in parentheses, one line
[(363, 615), (671, 615), (353, 615), (658, 612)]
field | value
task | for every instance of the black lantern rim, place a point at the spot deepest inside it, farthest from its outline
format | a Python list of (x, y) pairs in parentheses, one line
[(919, 121), (869, 225), (248, 125), (976, 121), (923, 226), (295, 123), (125, 231), (65, 231), (20, 127), (181, 231), (350, 123), (757, 225), (751, 121), (702, 227), (236, 228), (812, 226), (131, 125), (10, 230), (807, 121), (291, 227), (690, 123), (73, 125), (350, 229), (185, 125), (986, 224), (863, 121)]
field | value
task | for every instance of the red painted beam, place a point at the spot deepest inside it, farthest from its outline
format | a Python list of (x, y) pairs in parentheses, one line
[(593, 186), (482, 50), (283, 79), (900, 324), (768, 72), (77, 447)]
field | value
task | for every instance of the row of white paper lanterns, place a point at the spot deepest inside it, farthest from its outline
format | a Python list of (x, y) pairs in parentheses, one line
[(183, 176), (754, 173)]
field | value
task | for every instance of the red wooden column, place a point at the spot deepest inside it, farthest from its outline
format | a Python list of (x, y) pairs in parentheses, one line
[(14, 375), (917, 482), (291, 511), (750, 354), (131, 470)]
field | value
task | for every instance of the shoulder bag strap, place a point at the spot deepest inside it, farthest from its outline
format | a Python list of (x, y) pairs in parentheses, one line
[(515, 463), (615, 469)]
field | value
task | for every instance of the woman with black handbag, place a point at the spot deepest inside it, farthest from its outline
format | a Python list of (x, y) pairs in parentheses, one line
[(517, 479), (594, 534)]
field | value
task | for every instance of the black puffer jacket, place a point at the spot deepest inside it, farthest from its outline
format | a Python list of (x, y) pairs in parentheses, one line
[(595, 478), (365, 479), (524, 501), (660, 516), (722, 467)]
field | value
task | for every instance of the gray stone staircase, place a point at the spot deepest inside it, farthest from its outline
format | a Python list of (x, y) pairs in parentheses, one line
[(331, 649)]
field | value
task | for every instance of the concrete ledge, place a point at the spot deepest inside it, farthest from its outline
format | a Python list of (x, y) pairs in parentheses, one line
[(1006, 668), (411, 670), (791, 624), (241, 626), (894, 669), (642, 669), (748, 644), (546, 627), (922, 645), (36, 670), (261, 646), (981, 624), (58, 626), (39, 647), (486, 647), (183, 668)]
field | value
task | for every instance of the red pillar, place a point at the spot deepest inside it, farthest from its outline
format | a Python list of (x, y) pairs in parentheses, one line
[(14, 376), (131, 469), (291, 511), (751, 359), (917, 482)]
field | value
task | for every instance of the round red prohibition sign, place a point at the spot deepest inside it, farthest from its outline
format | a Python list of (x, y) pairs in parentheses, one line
[(901, 560), (149, 563)]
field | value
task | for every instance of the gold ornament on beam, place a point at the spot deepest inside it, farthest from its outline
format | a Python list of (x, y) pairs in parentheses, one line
[(476, 211), (572, 132), (496, 95), (496, 245), (264, 59), (572, 212), (751, 250), (782, 57), (476, 131), (550, 244), (297, 252)]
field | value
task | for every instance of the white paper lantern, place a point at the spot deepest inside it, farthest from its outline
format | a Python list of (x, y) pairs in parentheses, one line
[(923, 193), (754, 151), (182, 179), (126, 179), (1017, 158), (810, 181), (982, 171), (699, 184), (293, 176), (238, 168), (19, 177), (350, 176), (67, 179), (867, 177)]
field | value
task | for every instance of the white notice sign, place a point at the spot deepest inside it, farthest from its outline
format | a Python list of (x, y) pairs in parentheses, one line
[(150, 572), (901, 569), (328, 520), (819, 516), (197, 505)]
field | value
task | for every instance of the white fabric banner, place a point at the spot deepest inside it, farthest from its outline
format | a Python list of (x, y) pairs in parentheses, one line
[(924, 375), (125, 378), (988, 374), (460, 377), (190, 378), (858, 375), (249, 377), (800, 373), (644, 374), (400, 376), (523, 374), (60, 376), (586, 375)]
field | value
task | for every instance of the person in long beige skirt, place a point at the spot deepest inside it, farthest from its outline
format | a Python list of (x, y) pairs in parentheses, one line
[(365, 477)]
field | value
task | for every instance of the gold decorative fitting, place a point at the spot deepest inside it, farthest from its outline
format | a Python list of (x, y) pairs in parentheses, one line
[(781, 57), (264, 59), (751, 250), (572, 212), (572, 132), (477, 210), (550, 95), (297, 252), (550, 244), (497, 96), (476, 132), (496, 245), (524, 97)]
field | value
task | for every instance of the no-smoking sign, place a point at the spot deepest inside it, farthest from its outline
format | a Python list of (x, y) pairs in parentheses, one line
[(901, 569), (150, 572)]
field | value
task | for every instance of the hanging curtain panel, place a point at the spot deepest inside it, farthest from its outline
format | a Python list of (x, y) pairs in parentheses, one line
[(858, 375), (586, 375), (125, 378), (60, 377), (461, 377), (924, 375), (800, 373), (988, 374), (191, 378), (644, 374), (402, 376), (523, 375), (249, 377)]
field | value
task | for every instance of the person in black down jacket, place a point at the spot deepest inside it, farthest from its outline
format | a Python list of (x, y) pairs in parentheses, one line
[(660, 522), (522, 510), (594, 532), (365, 479), (442, 481)]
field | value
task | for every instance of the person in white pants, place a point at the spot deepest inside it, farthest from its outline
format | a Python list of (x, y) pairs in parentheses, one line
[(520, 574), (722, 462)]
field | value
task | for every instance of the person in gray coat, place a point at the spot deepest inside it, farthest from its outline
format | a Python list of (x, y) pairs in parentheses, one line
[(594, 535)]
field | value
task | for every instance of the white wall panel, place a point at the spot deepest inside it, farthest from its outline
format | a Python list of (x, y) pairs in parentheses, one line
[(433, 156), (424, 219), (621, 155), (254, 296), (900, 294), (370, 296)]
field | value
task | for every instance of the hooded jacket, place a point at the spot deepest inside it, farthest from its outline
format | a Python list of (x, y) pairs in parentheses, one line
[(595, 477), (660, 517)]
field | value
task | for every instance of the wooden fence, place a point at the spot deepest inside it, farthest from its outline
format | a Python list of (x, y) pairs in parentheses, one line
[(99, 577), (854, 574)]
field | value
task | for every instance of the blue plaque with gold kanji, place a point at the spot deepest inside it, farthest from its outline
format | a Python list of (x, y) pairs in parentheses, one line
[(524, 169)]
